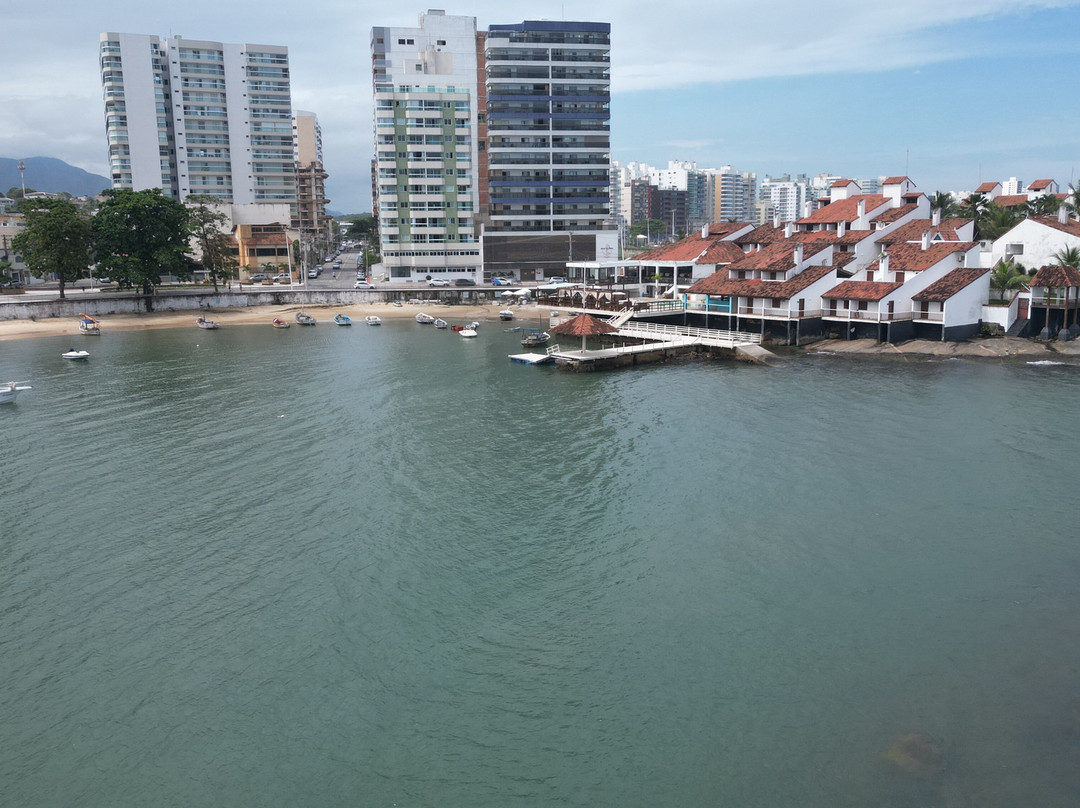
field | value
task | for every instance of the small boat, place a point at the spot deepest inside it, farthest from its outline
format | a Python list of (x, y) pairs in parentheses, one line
[(279, 323), (424, 319), (88, 325), (512, 330), (473, 325), (342, 319), (468, 332), (305, 319), (506, 314), (202, 322), (74, 355), (458, 327), (534, 336), (9, 390), (373, 319), (441, 323)]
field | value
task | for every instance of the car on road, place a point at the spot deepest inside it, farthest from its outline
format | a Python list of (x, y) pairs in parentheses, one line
[(363, 285), (501, 281), (259, 277), (313, 273), (438, 282), (464, 282)]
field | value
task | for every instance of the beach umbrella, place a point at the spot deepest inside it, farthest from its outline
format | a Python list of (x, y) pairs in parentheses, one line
[(584, 326)]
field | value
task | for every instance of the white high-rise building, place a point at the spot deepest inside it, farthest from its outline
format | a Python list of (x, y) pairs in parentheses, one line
[(426, 193), (197, 117)]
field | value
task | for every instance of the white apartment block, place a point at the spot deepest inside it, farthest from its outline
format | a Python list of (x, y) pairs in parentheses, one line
[(426, 193), (198, 117)]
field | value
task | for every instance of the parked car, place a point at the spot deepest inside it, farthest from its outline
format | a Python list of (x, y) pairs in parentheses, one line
[(556, 279), (283, 277), (363, 285), (259, 277), (501, 281), (438, 282), (464, 282)]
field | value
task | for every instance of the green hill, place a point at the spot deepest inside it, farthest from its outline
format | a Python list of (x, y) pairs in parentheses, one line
[(50, 175)]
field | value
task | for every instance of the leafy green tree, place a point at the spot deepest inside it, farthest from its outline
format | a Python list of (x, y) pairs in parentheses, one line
[(973, 206), (1042, 206), (365, 228), (648, 227), (207, 222), (995, 221), (138, 235), (1005, 277), (1068, 257), (943, 201), (16, 192), (56, 239)]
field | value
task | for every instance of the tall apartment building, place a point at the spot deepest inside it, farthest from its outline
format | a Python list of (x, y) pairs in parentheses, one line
[(518, 117), (427, 110), (196, 117), (310, 219), (548, 145), (733, 195)]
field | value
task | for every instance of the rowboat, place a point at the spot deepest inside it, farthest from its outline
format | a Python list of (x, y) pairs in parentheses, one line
[(424, 319), (342, 319), (305, 319), (373, 319), (279, 323), (202, 322)]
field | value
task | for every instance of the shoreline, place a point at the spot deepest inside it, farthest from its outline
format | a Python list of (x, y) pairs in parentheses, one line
[(999, 348), (252, 315)]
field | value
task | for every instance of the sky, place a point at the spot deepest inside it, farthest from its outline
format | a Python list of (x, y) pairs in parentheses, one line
[(949, 93)]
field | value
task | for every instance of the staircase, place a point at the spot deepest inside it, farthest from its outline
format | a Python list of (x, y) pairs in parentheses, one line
[(1018, 328)]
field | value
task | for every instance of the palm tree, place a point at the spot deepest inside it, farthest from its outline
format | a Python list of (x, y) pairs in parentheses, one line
[(943, 201), (1042, 206), (1068, 257), (995, 221), (973, 206), (1005, 277)]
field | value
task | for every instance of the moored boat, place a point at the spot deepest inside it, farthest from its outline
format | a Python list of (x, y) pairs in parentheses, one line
[(506, 314), (373, 319), (305, 319), (467, 332), (74, 355), (279, 323), (534, 336), (202, 322), (88, 325), (441, 323), (342, 319), (424, 319), (10, 390)]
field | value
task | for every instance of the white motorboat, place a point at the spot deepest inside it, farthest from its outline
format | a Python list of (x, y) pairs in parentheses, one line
[(441, 323), (424, 319), (506, 314), (373, 319), (10, 390), (210, 325), (468, 332), (74, 355), (88, 325), (534, 337)]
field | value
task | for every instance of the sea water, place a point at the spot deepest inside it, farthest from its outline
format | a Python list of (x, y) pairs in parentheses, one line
[(386, 566)]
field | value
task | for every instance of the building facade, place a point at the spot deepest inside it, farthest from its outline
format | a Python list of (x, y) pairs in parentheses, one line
[(311, 219), (199, 117), (427, 111)]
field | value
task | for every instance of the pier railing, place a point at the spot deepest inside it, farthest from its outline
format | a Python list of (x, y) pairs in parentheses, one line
[(706, 335)]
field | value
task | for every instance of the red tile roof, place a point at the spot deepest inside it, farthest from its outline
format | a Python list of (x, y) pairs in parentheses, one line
[(893, 214), (723, 229), (697, 249), (1056, 277), (845, 210), (840, 183), (762, 234), (719, 284), (893, 180), (777, 257), (1011, 200), (722, 252), (1038, 185), (1072, 227), (913, 230), (941, 290), (861, 290), (913, 258), (987, 187)]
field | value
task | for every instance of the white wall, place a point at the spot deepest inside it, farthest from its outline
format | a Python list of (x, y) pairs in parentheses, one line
[(1040, 243)]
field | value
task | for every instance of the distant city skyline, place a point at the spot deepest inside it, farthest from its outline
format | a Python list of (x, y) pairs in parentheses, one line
[(950, 95)]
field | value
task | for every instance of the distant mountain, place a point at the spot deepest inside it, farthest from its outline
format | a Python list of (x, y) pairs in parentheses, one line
[(52, 176)]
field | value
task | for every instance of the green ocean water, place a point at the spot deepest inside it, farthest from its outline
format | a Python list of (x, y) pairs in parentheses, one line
[(388, 567)]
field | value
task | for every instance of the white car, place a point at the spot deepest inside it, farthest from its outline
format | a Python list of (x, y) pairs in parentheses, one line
[(363, 285), (438, 282)]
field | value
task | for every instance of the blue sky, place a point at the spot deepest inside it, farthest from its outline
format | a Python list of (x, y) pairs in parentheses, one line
[(949, 93)]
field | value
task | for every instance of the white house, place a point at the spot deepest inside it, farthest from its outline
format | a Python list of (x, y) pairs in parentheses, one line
[(1034, 241)]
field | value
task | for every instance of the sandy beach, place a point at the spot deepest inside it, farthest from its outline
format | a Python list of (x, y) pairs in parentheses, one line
[(254, 315)]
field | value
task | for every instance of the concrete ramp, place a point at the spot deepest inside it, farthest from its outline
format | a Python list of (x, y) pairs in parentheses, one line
[(757, 354)]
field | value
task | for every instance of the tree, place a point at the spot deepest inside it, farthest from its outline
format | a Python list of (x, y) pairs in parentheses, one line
[(206, 222), (363, 228), (649, 228), (1005, 277), (56, 239), (973, 206), (138, 235), (995, 221), (16, 192), (1042, 206), (1068, 257), (943, 201)]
